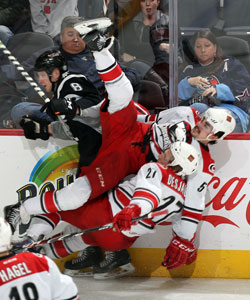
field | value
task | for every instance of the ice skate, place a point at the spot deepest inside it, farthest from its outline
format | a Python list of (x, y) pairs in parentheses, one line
[(81, 266), (100, 24), (94, 36), (16, 214), (116, 264), (12, 215), (22, 229)]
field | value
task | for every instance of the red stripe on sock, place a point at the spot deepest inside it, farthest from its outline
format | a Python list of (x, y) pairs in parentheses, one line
[(60, 249), (49, 203), (112, 74)]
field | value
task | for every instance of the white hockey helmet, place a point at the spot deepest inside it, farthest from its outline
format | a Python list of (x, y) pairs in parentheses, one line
[(221, 121), (5, 235), (185, 156)]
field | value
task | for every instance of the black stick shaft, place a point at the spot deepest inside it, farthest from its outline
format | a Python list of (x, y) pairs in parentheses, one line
[(103, 227), (23, 72)]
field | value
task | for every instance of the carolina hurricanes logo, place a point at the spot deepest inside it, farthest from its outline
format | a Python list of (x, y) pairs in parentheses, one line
[(244, 95), (213, 80), (211, 168)]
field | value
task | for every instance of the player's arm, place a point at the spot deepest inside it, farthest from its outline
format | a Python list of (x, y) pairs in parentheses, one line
[(79, 89), (74, 95), (186, 225), (146, 197), (181, 250)]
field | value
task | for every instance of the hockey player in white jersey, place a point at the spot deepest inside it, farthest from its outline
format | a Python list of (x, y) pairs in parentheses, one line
[(155, 188), (207, 129), (27, 275)]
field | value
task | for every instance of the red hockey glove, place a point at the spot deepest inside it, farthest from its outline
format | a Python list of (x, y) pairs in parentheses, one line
[(122, 220), (178, 253)]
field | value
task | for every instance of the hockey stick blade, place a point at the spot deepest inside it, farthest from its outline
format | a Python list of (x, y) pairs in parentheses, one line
[(103, 227)]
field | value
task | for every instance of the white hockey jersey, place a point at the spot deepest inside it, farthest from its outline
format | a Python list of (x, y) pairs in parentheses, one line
[(197, 183), (28, 275), (154, 188)]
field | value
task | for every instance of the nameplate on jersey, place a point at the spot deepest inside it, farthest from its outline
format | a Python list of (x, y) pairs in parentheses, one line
[(173, 181)]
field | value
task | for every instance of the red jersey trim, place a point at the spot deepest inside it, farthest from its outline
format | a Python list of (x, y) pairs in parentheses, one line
[(146, 195), (192, 215), (173, 181)]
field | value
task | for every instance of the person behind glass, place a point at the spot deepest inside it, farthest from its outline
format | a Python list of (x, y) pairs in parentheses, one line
[(142, 51), (46, 16), (79, 60), (215, 80), (14, 18)]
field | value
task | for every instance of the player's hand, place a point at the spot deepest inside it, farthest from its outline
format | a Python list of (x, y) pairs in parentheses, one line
[(180, 132), (122, 220), (35, 128), (178, 253), (61, 106)]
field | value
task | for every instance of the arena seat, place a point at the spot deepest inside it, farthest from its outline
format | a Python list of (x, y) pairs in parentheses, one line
[(23, 45), (150, 96), (236, 47)]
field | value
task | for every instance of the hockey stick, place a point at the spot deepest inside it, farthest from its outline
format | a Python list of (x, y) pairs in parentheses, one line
[(31, 81), (75, 234), (25, 74)]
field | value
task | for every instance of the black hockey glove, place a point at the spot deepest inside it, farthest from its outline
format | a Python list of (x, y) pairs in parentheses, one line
[(180, 132), (61, 106), (35, 128)]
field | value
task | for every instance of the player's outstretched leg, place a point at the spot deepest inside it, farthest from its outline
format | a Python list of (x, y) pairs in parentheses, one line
[(116, 264), (89, 257)]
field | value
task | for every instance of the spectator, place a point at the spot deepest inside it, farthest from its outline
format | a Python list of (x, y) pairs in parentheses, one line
[(148, 50), (215, 80), (47, 16), (27, 275), (14, 18), (79, 60)]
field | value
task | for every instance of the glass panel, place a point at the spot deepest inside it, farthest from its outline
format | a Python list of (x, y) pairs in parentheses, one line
[(153, 42), (215, 72)]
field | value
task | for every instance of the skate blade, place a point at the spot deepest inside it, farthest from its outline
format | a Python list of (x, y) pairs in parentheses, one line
[(117, 273), (79, 273), (90, 25)]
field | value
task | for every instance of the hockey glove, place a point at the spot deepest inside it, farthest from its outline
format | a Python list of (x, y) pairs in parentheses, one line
[(61, 106), (180, 132), (178, 253), (35, 128), (122, 220)]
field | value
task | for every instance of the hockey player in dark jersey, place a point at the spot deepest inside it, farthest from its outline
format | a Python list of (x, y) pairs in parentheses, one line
[(73, 94)]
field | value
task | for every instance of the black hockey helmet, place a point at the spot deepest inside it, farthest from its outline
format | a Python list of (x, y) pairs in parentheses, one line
[(50, 60)]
